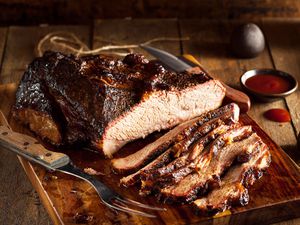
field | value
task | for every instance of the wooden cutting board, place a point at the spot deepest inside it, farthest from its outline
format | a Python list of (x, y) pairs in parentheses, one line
[(68, 200)]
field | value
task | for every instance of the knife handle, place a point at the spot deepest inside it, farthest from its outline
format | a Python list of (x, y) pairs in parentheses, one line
[(231, 94), (31, 149)]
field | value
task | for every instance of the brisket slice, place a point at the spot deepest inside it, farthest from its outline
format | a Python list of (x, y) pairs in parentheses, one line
[(179, 148), (233, 188), (108, 102), (137, 160), (208, 172)]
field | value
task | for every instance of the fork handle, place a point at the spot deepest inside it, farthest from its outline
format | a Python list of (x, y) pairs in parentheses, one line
[(31, 149)]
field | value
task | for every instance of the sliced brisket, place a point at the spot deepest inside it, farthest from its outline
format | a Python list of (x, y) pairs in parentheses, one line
[(137, 160), (178, 168), (194, 163), (233, 188), (108, 102), (209, 170), (193, 153), (182, 146), (164, 158)]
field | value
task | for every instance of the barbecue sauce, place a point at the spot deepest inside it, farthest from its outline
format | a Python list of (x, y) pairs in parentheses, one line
[(268, 84), (278, 115)]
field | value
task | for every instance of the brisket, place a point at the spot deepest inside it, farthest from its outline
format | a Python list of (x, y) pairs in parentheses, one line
[(217, 159), (209, 171), (182, 146), (107, 102), (233, 188), (177, 169), (137, 160), (193, 153)]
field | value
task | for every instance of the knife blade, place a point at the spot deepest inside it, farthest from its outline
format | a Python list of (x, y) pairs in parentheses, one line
[(167, 58), (178, 65)]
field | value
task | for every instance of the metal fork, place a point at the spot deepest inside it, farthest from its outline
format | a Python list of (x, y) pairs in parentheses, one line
[(29, 148)]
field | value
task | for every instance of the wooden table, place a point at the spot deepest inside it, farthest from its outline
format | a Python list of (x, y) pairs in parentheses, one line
[(20, 204)]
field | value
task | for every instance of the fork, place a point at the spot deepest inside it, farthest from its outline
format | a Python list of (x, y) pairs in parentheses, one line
[(29, 148)]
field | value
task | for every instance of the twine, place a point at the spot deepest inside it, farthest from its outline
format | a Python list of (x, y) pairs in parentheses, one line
[(68, 42)]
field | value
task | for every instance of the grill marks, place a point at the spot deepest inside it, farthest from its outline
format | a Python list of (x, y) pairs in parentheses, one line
[(218, 160)]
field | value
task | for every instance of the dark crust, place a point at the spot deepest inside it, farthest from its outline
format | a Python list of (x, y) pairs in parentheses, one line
[(244, 179), (199, 188), (210, 210), (183, 147), (84, 94), (196, 138), (33, 93), (181, 166), (177, 172)]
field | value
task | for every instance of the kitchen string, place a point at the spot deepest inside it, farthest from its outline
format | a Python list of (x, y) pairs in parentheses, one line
[(68, 42)]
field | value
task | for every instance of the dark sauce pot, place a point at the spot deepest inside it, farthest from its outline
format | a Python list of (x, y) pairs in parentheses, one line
[(267, 96)]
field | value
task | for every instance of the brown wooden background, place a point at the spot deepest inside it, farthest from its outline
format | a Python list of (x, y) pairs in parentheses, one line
[(19, 203), (83, 12)]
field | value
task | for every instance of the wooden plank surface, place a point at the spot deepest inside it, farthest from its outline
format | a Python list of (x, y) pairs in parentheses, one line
[(74, 199), (81, 12), (209, 44), (21, 44), (19, 203), (283, 37), (132, 31), (3, 35), (21, 206)]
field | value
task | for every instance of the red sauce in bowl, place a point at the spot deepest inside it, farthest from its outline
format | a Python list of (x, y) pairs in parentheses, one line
[(278, 115), (268, 84)]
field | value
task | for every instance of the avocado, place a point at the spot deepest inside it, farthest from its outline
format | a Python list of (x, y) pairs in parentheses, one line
[(247, 41)]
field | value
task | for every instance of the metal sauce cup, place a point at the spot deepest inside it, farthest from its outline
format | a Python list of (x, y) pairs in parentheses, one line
[(264, 96)]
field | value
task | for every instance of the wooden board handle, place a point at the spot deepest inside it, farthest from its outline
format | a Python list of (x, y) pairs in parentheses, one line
[(240, 98), (231, 95), (31, 149)]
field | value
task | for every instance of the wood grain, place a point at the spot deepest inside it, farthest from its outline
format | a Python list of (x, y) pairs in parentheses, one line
[(210, 44), (283, 37), (18, 53), (26, 145), (12, 176), (20, 47), (3, 33), (82, 12), (131, 31), (19, 202), (73, 199)]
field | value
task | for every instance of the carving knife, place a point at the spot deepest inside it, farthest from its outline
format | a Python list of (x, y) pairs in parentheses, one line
[(178, 65)]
